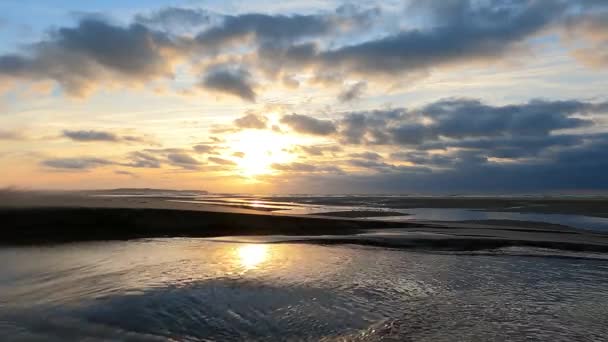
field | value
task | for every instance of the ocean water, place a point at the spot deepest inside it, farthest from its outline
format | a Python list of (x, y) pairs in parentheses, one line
[(208, 290)]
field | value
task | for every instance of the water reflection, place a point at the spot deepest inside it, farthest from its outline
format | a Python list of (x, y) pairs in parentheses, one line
[(250, 256), (194, 289)]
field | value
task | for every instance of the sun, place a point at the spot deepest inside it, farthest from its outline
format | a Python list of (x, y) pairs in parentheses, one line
[(260, 150)]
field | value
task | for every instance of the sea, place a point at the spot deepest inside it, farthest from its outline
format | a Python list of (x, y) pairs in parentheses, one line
[(267, 289)]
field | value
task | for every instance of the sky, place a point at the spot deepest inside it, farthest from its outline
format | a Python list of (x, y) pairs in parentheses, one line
[(321, 96)]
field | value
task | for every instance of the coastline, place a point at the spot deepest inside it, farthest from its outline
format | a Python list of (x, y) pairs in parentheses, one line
[(59, 217)]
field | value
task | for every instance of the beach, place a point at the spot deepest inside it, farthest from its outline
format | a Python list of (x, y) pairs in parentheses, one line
[(60, 217), (154, 267)]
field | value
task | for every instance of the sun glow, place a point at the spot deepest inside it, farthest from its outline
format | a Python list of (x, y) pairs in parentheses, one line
[(251, 256), (261, 149)]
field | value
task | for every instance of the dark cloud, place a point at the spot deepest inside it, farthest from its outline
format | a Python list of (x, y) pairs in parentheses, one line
[(79, 57), (319, 150), (265, 28), (155, 158), (221, 161), (297, 167), (94, 135), (172, 18), (81, 163), (578, 168), (183, 160), (353, 92), (306, 168), (509, 149), (512, 147), (280, 46), (252, 121), (279, 29), (424, 158), (204, 148), (308, 125), (462, 118), (464, 31), (143, 160), (90, 135), (368, 127), (382, 167), (464, 145), (237, 82), (366, 155)]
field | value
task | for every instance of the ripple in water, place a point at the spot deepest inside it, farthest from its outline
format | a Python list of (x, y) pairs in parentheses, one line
[(195, 289)]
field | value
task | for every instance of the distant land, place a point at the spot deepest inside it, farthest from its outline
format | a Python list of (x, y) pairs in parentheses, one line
[(145, 191)]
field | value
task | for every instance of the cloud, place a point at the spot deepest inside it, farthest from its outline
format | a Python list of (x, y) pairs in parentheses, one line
[(462, 118), (183, 160), (96, 50), (353, 92), (143, 160), (102, 136), (305, 168), (235, 82), (465, 145), (512, 146), (175, 18), (264, 28), (90, 135), (382, 167), (204, 148), (80, 163), (368, 127), (577, 168), (489, 32), (465, 117), (252, 121), (290, 82), (346, 43), (366, 155), (319, 150), (155, 158), (221, 161), (308, 125), (271, 30), (80, 57)]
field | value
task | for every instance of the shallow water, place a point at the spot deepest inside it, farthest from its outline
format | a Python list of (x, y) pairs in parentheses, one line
[(196, 289), (299, 206), (599, 224)]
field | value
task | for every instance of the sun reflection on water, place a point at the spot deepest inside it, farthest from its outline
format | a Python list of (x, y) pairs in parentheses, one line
[(250, 256)]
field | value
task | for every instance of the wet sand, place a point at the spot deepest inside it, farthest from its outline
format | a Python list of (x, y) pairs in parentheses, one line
[(361, 213), (589, 206), (30, 218), (59, 217)]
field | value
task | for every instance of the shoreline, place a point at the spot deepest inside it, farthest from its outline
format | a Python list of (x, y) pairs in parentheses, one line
[(56, 218)]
